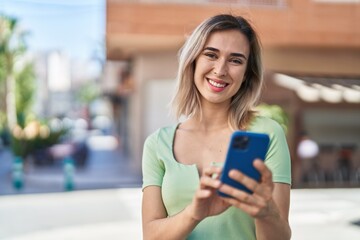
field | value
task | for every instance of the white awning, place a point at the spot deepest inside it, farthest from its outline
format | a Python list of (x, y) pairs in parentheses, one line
[(332, 90)]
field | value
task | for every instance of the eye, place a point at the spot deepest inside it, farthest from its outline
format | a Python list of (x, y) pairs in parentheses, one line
[(236, 61), (210, 55)]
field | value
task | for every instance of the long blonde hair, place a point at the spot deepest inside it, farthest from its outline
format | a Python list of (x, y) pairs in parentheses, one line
[(186, 101)]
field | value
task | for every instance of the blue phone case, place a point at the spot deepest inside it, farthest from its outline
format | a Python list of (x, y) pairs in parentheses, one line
[(244, 148)]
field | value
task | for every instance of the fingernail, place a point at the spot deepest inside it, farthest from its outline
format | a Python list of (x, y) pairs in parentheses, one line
[(215, 175), (232, 173), (217, 182)]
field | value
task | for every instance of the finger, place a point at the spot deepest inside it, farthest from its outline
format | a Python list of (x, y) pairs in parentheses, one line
[(252, 210), (210, 171), (241, 199), (203, 193), (248, 182), (208, 181), (266, 175), (237, 194), (266, 187)]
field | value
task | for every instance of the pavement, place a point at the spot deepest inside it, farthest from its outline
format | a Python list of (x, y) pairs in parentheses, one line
[(329, 214), (89, 214)]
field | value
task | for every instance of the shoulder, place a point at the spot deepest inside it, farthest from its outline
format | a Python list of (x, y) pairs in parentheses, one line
[(164, 134), (266, 125)]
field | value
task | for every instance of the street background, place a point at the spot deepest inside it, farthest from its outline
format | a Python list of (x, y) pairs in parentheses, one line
[(83, 83), (105, 168)]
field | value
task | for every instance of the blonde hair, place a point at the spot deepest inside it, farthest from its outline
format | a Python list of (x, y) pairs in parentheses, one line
[(187, 98)]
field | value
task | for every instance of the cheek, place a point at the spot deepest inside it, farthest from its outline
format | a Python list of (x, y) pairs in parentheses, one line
[(199, 71), (196, 76), (237, 87), (238, 76), (202, 66)]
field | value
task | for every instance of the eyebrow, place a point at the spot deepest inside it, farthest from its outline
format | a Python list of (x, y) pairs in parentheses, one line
[(231, 54)]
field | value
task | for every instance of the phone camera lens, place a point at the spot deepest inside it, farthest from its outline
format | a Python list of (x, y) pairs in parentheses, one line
[(241, 142)]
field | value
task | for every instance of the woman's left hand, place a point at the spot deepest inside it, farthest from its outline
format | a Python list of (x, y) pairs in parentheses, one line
[(259, 203)]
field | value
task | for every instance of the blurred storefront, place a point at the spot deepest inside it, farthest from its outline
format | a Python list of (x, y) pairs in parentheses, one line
[(311, 57)]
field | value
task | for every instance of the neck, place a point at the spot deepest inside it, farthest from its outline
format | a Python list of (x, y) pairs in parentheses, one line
[(214, 117)]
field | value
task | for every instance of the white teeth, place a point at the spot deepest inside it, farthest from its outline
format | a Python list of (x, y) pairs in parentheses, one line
[(215, 84)]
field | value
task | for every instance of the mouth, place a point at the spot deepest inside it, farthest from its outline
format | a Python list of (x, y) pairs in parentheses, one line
[(217, 85)]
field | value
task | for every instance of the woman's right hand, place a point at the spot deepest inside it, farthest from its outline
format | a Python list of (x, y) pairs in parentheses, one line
[(206, 201)]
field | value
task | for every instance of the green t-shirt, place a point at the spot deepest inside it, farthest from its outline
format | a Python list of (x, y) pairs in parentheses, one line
[(179, 182)]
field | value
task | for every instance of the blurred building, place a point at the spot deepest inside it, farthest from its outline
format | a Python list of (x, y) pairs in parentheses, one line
[(311, 57), (53, 95), (59, 77)]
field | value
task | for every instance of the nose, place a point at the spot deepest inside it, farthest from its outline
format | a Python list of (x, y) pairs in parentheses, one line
[(220, 68)]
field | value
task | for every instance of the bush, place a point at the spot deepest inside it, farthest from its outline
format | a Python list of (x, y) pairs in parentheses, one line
[(34, 136)]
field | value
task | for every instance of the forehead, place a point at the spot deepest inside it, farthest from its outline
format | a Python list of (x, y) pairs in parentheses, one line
[(229, 41)]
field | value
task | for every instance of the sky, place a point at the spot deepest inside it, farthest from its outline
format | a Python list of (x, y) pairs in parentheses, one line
[(74, 26)]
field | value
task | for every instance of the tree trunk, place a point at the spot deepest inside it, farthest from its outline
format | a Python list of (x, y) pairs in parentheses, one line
[(11, 102)]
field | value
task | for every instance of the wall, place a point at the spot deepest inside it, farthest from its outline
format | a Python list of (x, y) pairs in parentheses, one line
[(158, 95), (151, 71), (333, 127)]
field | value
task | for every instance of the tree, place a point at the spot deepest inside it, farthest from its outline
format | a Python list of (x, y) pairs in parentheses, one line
[(24, 93), (276, 113), (12, 47)]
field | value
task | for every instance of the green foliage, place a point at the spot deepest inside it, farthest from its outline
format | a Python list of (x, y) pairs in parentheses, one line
[(12, 40), (35, 135), (88, 93), (25, 89), (25, 137), (2, 121), (12, 50), (276, 113), (2, 71)]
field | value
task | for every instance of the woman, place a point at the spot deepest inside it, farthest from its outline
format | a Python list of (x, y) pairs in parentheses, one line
[(219, 83)]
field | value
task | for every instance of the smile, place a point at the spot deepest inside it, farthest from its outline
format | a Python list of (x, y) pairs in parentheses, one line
[(217, 84)]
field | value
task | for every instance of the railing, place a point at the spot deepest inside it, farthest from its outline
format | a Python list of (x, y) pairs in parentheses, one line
[(250, 3)]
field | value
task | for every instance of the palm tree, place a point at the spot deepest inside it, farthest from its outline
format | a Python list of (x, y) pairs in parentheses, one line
[(12, 46)]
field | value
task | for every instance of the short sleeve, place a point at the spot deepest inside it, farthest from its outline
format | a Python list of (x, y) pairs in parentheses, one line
[(278, 157), (152, 167)]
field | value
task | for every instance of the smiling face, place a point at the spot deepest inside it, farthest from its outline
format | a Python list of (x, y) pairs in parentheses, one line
[(221, 66)]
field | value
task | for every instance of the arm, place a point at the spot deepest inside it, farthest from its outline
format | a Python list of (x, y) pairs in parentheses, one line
[(276, 225), (156, 223)]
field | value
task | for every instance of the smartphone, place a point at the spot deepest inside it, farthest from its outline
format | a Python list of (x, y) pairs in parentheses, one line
[(243, 149)]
